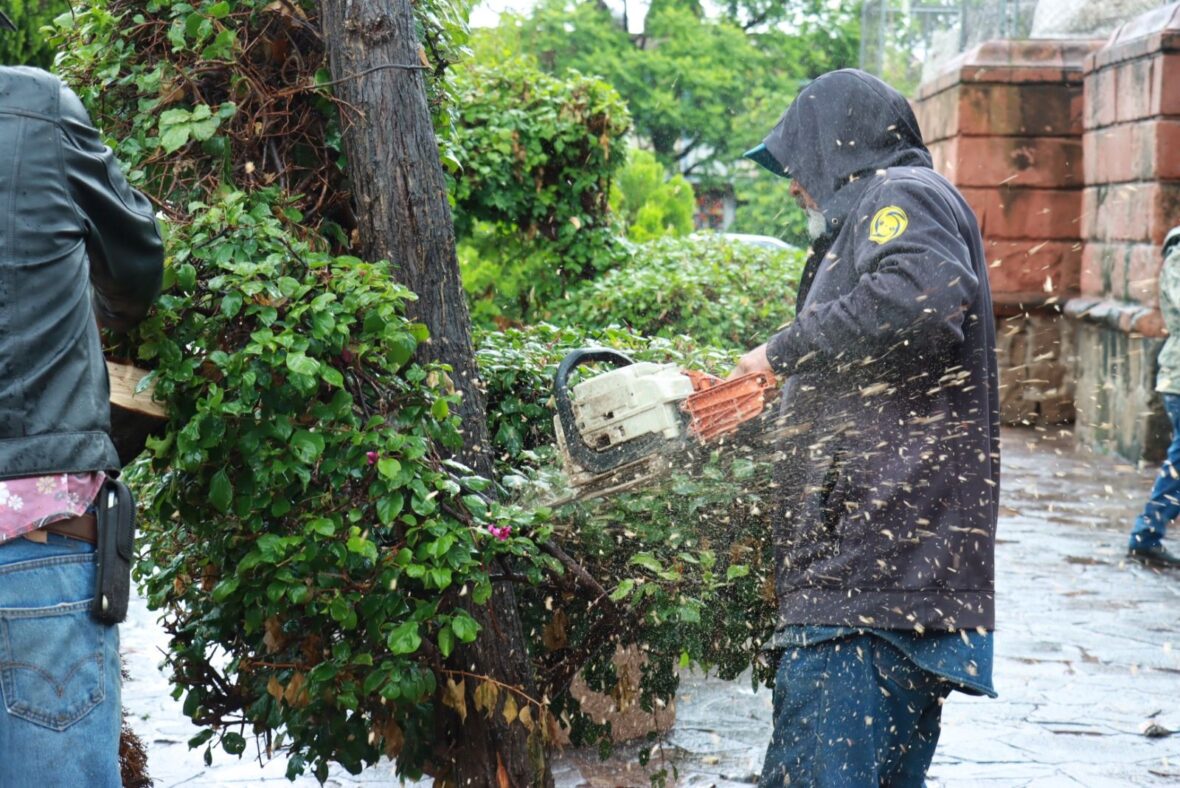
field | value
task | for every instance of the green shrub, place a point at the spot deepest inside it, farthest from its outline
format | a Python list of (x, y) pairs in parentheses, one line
[(650, 204), (300, 521), (28, 45), (531, 199), (309, 548), (716, 291)]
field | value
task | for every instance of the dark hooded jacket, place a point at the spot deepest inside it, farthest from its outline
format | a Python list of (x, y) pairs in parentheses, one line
[(890, 477)]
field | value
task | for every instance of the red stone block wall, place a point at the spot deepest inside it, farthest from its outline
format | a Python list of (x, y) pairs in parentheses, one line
[(1004, 123), (1131, 155)]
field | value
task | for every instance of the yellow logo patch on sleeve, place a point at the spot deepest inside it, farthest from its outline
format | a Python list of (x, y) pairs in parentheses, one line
[(887, 224)]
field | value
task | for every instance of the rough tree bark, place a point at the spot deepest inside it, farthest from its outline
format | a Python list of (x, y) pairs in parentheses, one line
[(400, 195)]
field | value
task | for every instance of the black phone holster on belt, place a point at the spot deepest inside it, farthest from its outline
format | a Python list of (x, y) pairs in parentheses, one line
[(116, 544)]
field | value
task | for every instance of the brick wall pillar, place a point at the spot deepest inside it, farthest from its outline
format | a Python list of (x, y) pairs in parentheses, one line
[(1004, 124), (1131, 198)]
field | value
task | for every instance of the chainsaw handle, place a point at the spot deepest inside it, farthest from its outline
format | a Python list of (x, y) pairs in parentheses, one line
[(584, 454)]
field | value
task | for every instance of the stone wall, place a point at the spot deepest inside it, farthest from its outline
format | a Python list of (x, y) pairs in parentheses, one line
[(1131, 153), (1004, 124)]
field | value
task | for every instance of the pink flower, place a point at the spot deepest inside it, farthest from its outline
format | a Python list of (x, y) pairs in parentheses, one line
[(500, 532), (372, 457)]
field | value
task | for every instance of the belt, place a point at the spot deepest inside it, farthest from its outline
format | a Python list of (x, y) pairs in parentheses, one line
[(83, 528)]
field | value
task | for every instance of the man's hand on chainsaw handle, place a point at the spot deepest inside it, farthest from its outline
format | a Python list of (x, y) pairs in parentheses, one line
[(753, 361)]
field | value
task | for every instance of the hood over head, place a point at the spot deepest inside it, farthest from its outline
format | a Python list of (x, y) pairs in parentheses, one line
[(842, 127)]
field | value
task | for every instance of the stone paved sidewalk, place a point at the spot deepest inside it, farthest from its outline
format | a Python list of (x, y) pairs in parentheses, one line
[(1088, 654)]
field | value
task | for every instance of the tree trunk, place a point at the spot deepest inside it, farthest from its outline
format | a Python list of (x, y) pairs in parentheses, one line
[(400, 195)]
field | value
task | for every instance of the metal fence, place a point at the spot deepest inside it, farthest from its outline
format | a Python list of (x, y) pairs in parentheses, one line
[(906, 42)]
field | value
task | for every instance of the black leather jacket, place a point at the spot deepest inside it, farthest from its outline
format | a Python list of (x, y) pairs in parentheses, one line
[(77, 244)]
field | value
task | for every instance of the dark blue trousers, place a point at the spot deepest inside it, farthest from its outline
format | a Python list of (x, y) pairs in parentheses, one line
[(852, 712)]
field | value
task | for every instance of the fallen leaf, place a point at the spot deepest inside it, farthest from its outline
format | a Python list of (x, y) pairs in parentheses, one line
[(502, 773), (554, 634)]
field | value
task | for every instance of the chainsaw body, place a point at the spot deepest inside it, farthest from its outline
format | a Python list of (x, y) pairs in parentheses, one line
[(626, 426)]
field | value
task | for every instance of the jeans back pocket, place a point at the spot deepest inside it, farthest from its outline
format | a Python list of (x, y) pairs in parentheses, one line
[(52, 663)]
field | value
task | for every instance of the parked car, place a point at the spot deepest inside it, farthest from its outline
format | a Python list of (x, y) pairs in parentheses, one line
[(764, 241)]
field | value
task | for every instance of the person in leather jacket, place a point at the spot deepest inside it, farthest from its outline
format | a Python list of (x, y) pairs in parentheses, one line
[(79, 248)]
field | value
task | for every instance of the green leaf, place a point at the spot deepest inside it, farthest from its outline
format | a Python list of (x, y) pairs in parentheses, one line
[(647, 561), (465, 627), (307, 446), (361, 546), (233, 743), (405, 639), (221, 491), (440, 410), (446, 641), (623, 589), (322, 526), (332, 376), (389, 468), (173, 139), (736, 570), (225, 589), (389, 507), (301, 364)]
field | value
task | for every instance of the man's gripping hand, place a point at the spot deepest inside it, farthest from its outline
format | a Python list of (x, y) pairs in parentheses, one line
[(753, 361)]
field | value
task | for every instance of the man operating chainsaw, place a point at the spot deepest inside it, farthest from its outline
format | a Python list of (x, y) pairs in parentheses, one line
[(889, 480)]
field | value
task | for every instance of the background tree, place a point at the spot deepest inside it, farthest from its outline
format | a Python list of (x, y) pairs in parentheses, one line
[(700, 90), (28, 45)]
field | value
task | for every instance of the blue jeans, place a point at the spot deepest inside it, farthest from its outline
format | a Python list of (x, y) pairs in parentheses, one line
[(1164, 504), (59, 670), (851, 713)]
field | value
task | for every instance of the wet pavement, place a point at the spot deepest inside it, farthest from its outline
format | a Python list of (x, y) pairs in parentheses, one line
[(1087, 662)]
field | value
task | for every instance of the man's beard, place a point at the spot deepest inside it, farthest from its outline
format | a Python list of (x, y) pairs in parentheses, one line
[(817, 223)]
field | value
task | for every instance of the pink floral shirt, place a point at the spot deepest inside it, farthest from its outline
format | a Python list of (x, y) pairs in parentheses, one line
[(29, 503)]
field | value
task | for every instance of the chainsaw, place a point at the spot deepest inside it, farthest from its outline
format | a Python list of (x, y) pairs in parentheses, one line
[(632, 424)]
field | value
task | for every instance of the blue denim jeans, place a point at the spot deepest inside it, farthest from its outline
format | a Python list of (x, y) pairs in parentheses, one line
[(1164, 504), (59, 670), (852, 713)]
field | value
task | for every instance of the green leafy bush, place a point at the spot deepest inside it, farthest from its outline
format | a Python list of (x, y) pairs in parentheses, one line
[(531, 200), (717, 291), (650, 204), (28, 45), (300, 517)]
